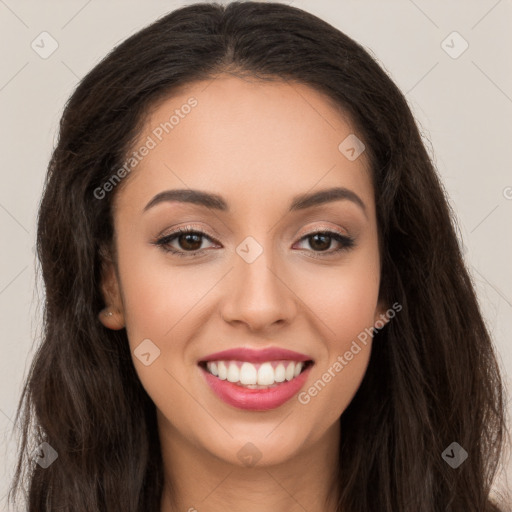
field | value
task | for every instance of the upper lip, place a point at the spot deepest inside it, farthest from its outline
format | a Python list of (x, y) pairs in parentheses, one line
[(252, 355)]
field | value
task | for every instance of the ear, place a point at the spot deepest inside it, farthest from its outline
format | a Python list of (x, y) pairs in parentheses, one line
[(112, 316), (381, 315)]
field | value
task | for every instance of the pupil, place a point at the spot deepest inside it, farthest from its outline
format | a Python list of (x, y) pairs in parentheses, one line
[(189, 242), (321, 246)]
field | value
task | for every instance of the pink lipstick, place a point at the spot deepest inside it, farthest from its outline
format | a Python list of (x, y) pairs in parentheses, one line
[(256, 380)]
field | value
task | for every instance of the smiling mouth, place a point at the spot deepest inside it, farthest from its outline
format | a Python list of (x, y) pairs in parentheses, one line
[(264, 375)]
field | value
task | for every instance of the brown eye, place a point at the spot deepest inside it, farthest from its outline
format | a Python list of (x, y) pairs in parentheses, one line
[(189, 242), (320, 241)]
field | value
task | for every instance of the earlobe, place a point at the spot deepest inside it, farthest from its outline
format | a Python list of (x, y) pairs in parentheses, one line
[(381, 316), (111, 316), (111, 319)]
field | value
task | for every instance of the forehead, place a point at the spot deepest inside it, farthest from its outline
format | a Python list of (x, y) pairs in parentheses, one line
[(259, 138)]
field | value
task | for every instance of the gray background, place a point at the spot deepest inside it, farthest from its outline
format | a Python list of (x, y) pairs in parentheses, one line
[(463, 104)]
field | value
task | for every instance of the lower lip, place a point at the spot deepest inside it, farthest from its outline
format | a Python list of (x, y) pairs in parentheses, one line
[(256, 399)]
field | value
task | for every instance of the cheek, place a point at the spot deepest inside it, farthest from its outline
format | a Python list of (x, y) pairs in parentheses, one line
[(157, 298), (347, 314), (333, 387), (159, 305), (344, 298), (168, 306), (345, 301)]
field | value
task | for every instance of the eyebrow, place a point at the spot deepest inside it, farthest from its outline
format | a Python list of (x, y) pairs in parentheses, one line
[(216, 202)]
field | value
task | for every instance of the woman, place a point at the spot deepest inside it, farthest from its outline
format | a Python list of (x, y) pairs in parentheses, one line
[(255, 296)]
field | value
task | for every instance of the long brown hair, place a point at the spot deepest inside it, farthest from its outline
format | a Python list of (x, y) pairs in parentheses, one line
[(433, 377)]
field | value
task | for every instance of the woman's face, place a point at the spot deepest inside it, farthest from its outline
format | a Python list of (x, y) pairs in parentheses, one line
[(256, 277)]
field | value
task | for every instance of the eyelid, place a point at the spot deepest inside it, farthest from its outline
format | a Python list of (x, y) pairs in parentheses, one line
[(324, 228), (346, 241), (163, 240), (187, 228)]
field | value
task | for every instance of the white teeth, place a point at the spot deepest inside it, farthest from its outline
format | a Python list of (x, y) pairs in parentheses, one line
[(212, 367), (255, 376), (279, 373), (233, 373), (223, 371), (290, 371), (266, 375), (248, 374)]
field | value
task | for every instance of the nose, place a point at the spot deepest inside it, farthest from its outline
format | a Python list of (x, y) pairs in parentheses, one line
[(258, 295)]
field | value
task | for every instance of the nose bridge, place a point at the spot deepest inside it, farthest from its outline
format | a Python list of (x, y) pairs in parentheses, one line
[(257, 294)]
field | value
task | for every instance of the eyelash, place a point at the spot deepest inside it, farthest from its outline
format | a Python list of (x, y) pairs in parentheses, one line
[(347, 242)]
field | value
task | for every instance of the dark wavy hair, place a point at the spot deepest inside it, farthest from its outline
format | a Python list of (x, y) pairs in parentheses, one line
[(433, 376)]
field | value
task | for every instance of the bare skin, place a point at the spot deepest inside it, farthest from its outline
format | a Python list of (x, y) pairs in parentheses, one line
[(258, 145)]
